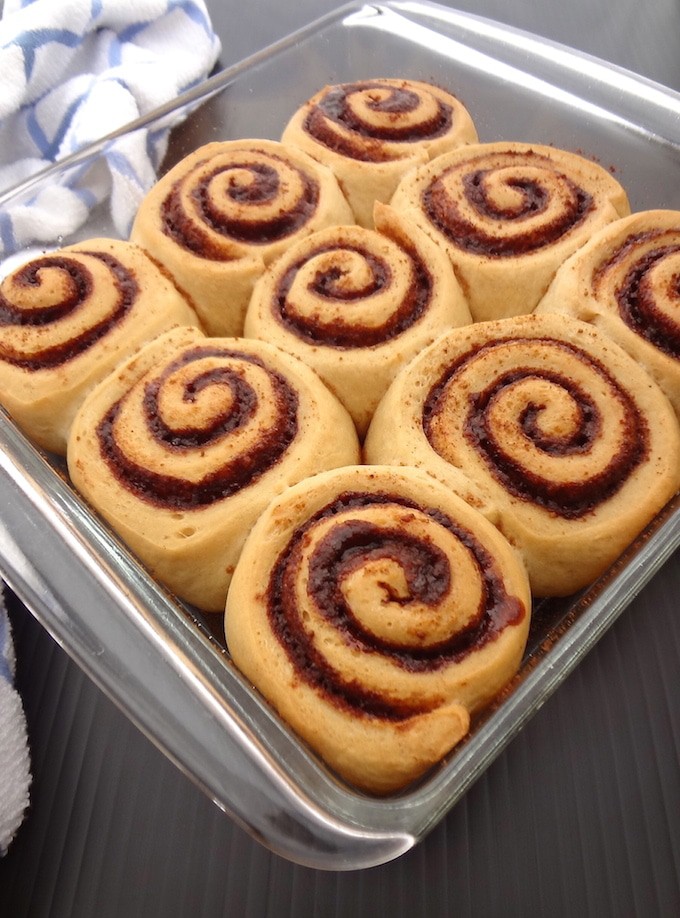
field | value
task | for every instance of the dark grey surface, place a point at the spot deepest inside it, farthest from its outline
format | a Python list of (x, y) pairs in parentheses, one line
[(580, 816)]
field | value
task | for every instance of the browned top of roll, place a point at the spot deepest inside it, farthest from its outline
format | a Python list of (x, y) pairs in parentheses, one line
[(484, 190), (225, 472), (347, 546), (485, 424), (371, 112), (644, 294), (330, 282), (24, 305), (254, 197)]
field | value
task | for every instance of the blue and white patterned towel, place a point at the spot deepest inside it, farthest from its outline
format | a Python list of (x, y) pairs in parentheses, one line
[(71, 72), (15, 772)]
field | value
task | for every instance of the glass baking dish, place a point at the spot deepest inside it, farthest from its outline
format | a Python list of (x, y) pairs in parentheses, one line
[(166, 665)]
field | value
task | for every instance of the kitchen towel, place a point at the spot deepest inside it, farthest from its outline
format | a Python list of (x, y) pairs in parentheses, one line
[(72, 72), (15, 772)]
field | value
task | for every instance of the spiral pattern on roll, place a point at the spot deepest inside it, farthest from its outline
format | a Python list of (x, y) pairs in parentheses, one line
[(221, 418), (360, 120), (57, 306), (551, 424), (642, 278), (448, 588), (245, 196), (505, 204), (328, 296)]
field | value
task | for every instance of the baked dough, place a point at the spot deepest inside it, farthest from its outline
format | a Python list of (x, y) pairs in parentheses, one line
[(377, 612), (625, 281), (508, 215), (183, 447), (356, 304), (573, 442), (371, 132), (227, 210), (68, 318)]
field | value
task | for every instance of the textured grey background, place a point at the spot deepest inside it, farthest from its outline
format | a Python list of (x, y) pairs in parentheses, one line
[(580, 816)]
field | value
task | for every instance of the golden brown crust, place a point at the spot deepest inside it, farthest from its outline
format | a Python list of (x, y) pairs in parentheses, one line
[(225, 212), (370, 132), (625, 281), (356, 304), (68, 318), (508, 215), (572, 441), (183, 447), (377, 612)]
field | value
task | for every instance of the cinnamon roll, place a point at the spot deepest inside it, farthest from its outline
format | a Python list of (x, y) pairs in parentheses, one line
[(626, 280), (377, 612), (182, 448), (370, 132), (224, 212), (508, 215), (67, 318), (356, 304), (574, 443)]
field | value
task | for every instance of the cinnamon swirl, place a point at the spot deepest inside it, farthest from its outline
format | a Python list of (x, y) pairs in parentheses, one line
[(575, 444), (626, 280), (370, 132), (508, 215), (67, 318), (183, 447), (377, 612), (356, 304), (227, 210)]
